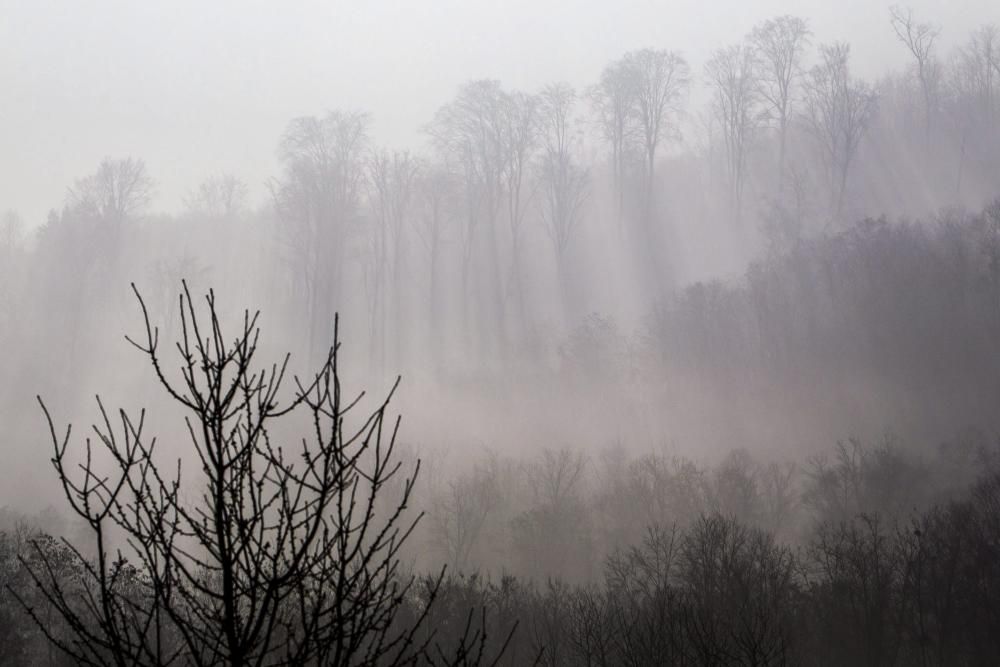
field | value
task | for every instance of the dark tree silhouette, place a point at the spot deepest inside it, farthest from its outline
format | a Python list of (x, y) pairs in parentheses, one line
[(288, 555)]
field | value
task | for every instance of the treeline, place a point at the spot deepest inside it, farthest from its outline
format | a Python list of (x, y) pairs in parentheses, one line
[(866, 556), (883, 325), (878, 296), (530, 209), (901, 316), (561, 513), (861, 591)]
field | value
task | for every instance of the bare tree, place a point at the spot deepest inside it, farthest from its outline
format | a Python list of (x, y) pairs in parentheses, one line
[(661, 80), (392, 179), (564, 183), (557, 475), (118, 191), (974, 78), (613, 101), (553, 531), (838, 110), (982, 63), (287, 556), (220, 198), (780, 45), (739, 586), (103, 203), (11, 231), (317, 202), (519, 135), (12, 262), (460, 513), (731, 73), (435, 199), (919, 40), (469, 134)]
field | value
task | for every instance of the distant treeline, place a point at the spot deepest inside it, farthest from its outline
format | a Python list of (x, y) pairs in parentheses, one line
[(867, 556), (530, 209)]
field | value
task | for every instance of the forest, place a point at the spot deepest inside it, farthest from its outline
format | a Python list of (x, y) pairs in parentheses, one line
[(696, 364)]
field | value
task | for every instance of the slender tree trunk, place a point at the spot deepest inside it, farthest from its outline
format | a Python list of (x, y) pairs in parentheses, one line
[(518, 283), (565, 298), (961, 166), (499, 323), (619, 186), (782, 138), (435, 327), (842, 187), (651, 161), (398, 314)]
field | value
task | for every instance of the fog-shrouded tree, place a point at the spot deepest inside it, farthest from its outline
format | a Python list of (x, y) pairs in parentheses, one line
[(118, 191), (733, 78), (838, 111), (468, 133), (459, 514), (564, 182), (91, 243), (613, 101), (11, 230), (435, 200), (392, 179), (660, 79), (779, 45), (12, 235), (740, 587), (555, 526), (265, 551), (317, 203), (520, 138), (973, 85), (219, 198), (919, 39), (105, 202), (980, 61)]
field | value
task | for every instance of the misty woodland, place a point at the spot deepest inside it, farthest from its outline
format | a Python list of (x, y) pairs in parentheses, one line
[(698, 364)]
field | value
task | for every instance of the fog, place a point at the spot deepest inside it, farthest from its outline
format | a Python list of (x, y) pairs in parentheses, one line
[(658, 279), (195, 90)]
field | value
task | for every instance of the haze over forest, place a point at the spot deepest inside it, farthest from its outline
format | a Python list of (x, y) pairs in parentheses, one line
[(197, 90), (705, 266)]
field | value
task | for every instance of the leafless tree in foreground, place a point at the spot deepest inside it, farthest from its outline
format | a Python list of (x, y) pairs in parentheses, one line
[(288, 556)]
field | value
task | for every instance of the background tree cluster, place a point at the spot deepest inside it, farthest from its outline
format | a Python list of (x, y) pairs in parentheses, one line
[(527, 210), (867, 555)]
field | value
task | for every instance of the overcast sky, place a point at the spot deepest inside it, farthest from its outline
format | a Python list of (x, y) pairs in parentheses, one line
[(200, 87)]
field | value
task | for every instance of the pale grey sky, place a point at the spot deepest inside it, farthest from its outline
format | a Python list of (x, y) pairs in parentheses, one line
[(195, 88)]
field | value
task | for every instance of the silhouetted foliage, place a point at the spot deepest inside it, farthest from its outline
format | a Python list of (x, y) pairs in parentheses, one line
[(278, 554)]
